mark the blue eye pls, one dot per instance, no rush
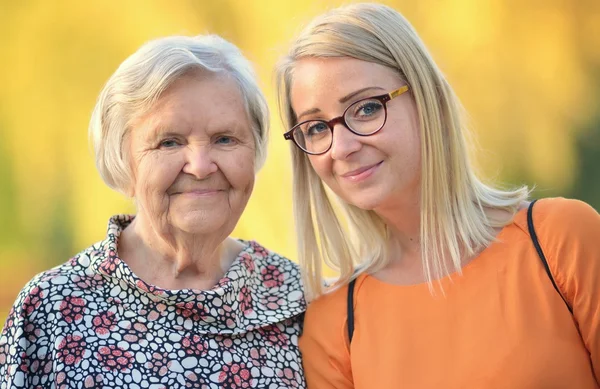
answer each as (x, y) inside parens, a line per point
(224, 140)
(366, 109)
(316, 128)
(168, 143)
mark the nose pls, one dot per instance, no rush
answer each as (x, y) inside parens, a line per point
(345, 142)
(199, 162)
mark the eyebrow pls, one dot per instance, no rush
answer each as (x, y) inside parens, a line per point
(159, 130)
(342, 100)
(162, 130)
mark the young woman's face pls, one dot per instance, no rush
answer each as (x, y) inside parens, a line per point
(371, 172)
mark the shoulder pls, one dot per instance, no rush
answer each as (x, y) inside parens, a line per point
(326, 326)
(273, 280)
(568, 232)
(38, 296)
(328, 310)
(559, 220)
(328, 314)
(271, 264)
(562, 209)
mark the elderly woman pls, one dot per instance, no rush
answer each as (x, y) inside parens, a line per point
(446, 282)
(168, 299)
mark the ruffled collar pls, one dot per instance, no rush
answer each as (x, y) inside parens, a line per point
(260, 289)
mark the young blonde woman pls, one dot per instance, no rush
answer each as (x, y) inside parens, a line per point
(445, 281)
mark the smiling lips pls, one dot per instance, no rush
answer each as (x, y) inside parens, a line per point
(361, 173)
(199, 192)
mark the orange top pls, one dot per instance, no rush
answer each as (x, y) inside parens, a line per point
(500, 325)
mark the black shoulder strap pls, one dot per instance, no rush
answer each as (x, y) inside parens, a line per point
(536, 243)
(351, 309)
(538, 248)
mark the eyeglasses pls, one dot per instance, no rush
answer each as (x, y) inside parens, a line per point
(364, 117)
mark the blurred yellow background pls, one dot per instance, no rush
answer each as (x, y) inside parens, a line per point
(528, 71)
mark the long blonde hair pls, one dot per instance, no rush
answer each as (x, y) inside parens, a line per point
(453, 198)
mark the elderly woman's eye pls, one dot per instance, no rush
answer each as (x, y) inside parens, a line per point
(168, 143)
(224, 140)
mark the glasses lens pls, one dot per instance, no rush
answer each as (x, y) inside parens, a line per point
(313, 136)
(366, 116)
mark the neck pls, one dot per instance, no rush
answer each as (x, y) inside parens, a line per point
(403, 219)
(175, 259)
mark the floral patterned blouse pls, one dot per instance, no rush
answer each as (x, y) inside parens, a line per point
(92, 323)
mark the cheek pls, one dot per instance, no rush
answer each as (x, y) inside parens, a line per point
(156, 173)
(322, 165)
(239, 171)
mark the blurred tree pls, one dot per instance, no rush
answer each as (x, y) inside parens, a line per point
(587, 182)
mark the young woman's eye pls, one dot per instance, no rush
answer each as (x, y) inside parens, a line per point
(368, 108)
(316, 128)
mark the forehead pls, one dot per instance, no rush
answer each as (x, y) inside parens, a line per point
(199, 100)
(315, 79)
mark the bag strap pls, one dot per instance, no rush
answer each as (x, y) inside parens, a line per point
(538, 248)
(351, 309)
(536, 244)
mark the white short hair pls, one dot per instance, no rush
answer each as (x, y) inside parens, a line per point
(140, 80)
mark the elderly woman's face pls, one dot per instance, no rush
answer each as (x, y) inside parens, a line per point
(193, 156)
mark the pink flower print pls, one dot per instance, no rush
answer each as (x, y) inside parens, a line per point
(223, 282)
(135, 332)
(149, 288)
(192, 309)
(114, 358)
(93, 382)
(108, 267)
(10, 321)
(49, 275)
(159, 364)
(31, 332)
(288, 377)
(89, 282)
(259, 250)
(259, 356)
(60, 378)
(225, 343)
(194, 345)
(104, 322)
(227, 314)
(24, 366)
(33, 300)
(109, 264)
(235, 375)
(71, 308)
(245, 300)
(71, 349)
(272, 302)
(193, 381)
(274, 336)
(272, 277)
(248, 262)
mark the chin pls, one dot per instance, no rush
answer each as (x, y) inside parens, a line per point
(193, 223)
(367, 203)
